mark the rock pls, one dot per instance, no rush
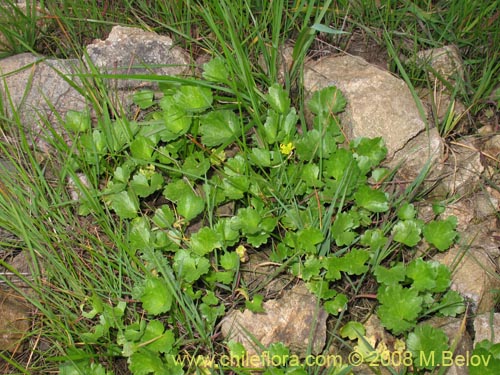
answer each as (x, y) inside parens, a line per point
(14, 323)
(460, 172)
(290, 320)
(492, 147)
(487, 327)
(426, 147)
(129, 50)
(472, 210)
(378, 104)
(473, 276)
(446, 61)
(442, 108)
(39, 91)
(448, 65)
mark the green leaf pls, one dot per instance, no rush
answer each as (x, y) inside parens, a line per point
(489, 355)
(342, 228)
(255, 305)
(336, 306)
(156, 338)
(146, 184)
(407, 232)
(190, 267)
(205, 241)
(248, 221)
(216, 70)
(219, 127)
(333, 266)
(125, 204)
(194, 98)
(308, 239)
(372, 200)
(176, 120)
(339, 163)
(451, 304)
(307, 146)
(278, 99)
(142, 148)
(321, 289)
(400, 307)
(407, 211)
(271, 126)
(195, 165)
(373, 238)
(236, 349)
(441, 233)
(429, 276)
(230, 261)
(327, 101)
(261, 157)
(328, 30)
(140, 233)
(143, 99)
(228, 234)
(390, 276)
(163, 217)
(311, 268)
(77, 121)
(427, 342)
(310, 175)
(155, 297)
(352, 330)
(190, 205)
(368, 152)
(145, 362)
(354, 262)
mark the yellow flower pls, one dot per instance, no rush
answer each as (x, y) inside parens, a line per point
(286, 149)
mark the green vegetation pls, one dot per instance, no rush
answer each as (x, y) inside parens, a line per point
(144, 265)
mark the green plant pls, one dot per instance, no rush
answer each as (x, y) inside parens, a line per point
(313, 202)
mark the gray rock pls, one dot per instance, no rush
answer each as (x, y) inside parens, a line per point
(378, 103)
(487, 327)
(129, 50)
(473, 276)
(293, 320)
(426, 147)
(40, 91)
(448, 65)
(460, 172)
(446, 61)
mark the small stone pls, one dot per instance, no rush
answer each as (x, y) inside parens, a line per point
(487, 327)
(293, 320)
(445, 60)
(460, 173)
(473, 276)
